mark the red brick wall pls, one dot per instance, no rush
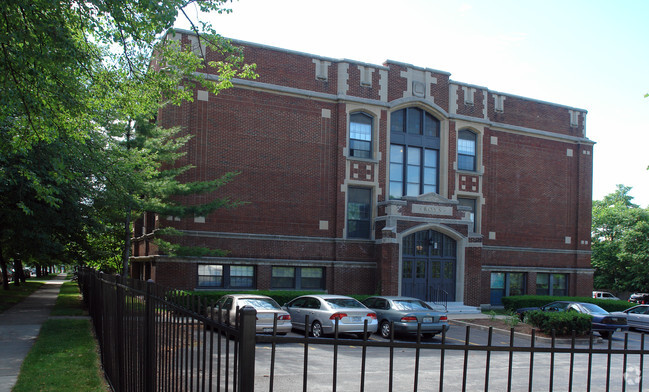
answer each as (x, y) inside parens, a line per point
(533, 192)
(351, 280)
(283, 149)
(178, 275)
(473, 286)
(534, 114)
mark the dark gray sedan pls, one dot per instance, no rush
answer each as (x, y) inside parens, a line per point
(406, 313)
(637, 317)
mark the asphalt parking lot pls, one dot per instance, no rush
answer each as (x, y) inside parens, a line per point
(347, 361)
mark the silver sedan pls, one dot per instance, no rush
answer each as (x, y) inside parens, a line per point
(324, 310)
(266, 308)
(406, 314)
(637, 317)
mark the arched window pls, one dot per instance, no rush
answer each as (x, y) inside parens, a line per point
(466, 150)
(414, 153)
(360, 135)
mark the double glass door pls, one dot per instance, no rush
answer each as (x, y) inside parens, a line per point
(429, 265)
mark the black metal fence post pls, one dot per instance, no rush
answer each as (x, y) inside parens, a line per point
(150, 362)
(247, 342)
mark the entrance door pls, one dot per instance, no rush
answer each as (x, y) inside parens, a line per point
(429, 261)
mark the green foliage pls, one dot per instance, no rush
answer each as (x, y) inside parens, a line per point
(563, 323)
(512, 320)
(526, 301)
(620, 243)
(177, 249)
(534, 301)
(80, 153)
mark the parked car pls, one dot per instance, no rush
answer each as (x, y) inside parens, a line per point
(639, 298)
(406, 314)
(266, 308)
(323, 311)
(637, 317)
(603, 322)
(604, 295)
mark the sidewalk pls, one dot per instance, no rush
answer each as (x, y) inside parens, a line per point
(20, 326)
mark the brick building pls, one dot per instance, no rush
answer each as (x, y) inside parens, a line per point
(392, 179)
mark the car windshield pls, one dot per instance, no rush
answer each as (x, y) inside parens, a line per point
(593, 309)
(556, 306)
(259, 303)
(410, 304)
(337, 303)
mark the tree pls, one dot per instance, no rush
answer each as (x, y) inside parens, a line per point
(80, 84)
(32, 229)
(620, 242)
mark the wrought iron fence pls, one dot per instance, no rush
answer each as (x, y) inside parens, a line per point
(158, 339)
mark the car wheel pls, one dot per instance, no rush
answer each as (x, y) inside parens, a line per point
(316, 329)
(605, 334)
(384, 329)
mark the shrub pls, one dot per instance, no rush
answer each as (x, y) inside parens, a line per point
(512, 320)
(563, 323)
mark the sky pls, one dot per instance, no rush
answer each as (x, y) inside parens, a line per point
(587, 54)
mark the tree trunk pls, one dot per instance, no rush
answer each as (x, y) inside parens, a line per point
(5, 272)
(127, 219)
(18, 272)
(127, 242)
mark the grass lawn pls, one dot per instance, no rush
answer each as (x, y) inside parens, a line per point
(65, 356)
(69, 301)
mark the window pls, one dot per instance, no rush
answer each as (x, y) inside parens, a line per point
(414, 121)
(311, 278)
(360, 135)
(466, 150)
(283, 278)
(471, 204)
(414, 153)
(226, 276)
(241, 276)
(210, 275)
(551, 284)
(358, 212)
(504, 284)
(406, 271)
(300, 278)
